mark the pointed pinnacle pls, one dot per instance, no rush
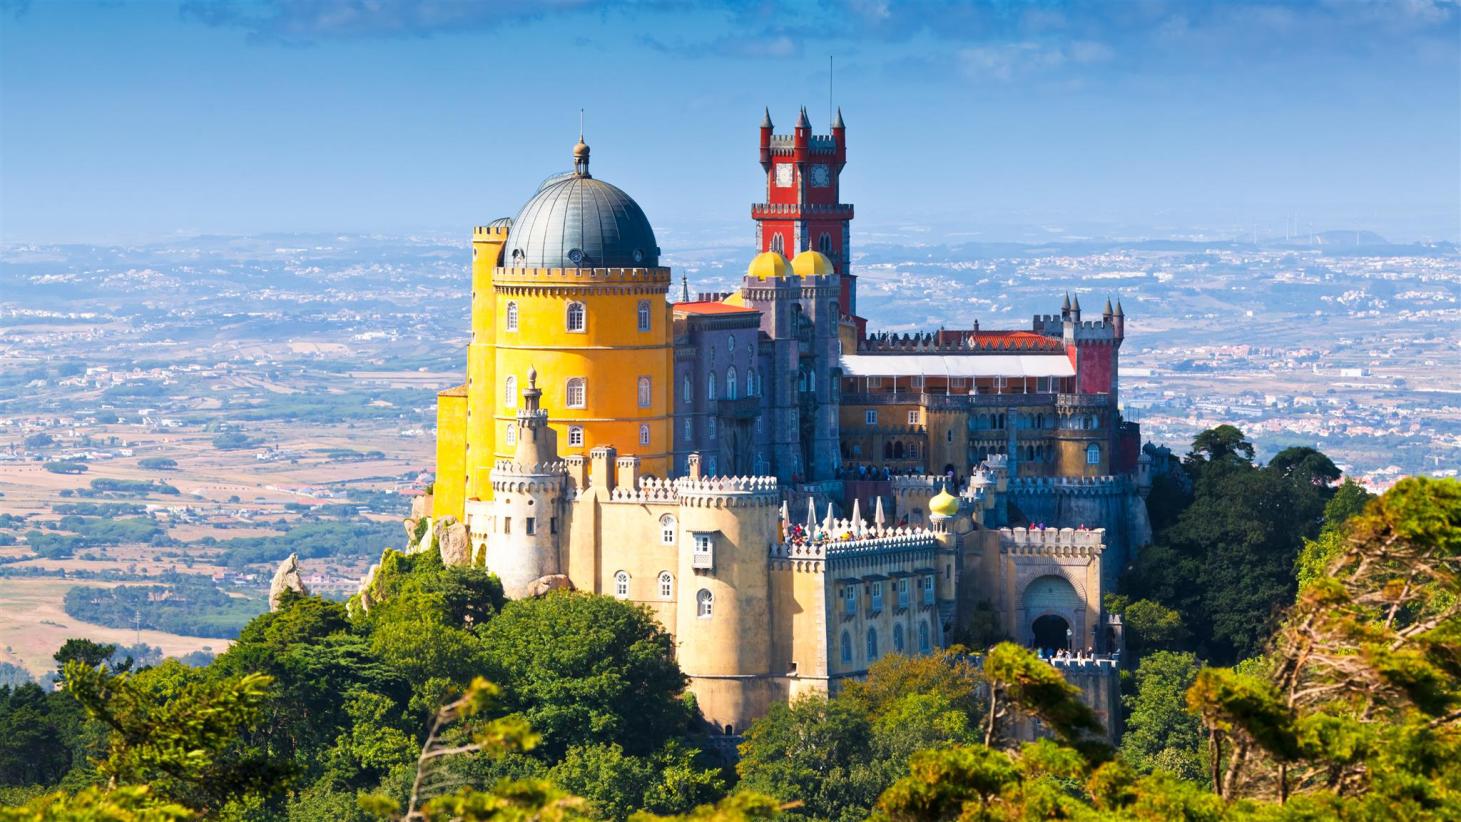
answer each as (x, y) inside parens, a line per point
(766, 118)
(802, 121)
(1065, 305)
(837, 123)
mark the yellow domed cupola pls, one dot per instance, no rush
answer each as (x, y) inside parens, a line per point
(768, 265)
(811, 263)
(943, 504)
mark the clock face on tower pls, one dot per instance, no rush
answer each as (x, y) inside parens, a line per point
(821, 176)
(783, 175)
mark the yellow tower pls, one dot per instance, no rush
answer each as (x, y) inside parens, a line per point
(580, 296)
(487, 243)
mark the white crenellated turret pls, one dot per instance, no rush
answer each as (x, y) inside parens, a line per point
(529, 494)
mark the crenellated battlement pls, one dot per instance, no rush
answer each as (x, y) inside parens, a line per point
(1052, 541)
(510, 275)
(1107, 484)
(508, 466)
(934, 342)
(651, 489)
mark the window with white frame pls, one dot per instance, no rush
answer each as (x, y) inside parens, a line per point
(687, 389)
(710, 383)
(877, 596)
(576, 394)
(512, 433)
(575, 436)
(913, 417)
(621, 585)
(732, 383)
(704, 553)
(509, 392)
(667, 532)
(643, 315)
(928, 590)
(849, 599)
(577, 318)
(512, 316)
(644, 435)
(646, 392)
(870, 417)
(750, 382)
(903, 595)
(1093, 454)
(666, 585)
(704, 604)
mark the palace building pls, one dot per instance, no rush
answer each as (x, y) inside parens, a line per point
(791, 494)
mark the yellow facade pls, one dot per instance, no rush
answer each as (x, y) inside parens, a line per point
(611, 355)
(450, 494)
(487, 242)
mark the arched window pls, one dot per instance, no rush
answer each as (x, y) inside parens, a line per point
(687, 389)
(778, 245)
(512, 433)
(1093, 454)
(644, 435)
(924, 643)
(667, 532)
(898, 638)
(512, 316)
(576, 316)
(824, 244)
(576, 394)
(710, 427)
(846, 648)
(704, 604)
(644, 315)
(710, 383)
(509, 392)
(575, 436)
(751, 382)
(898, 450)
(887, 450)
(732, 383)
(872, 644)
(621, 585)
(666, 585)
(646, 393)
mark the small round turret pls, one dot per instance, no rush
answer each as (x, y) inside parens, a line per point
(768, 265)
(811, 263)
(943, 504)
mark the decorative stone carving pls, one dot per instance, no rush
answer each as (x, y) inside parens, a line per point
(286, 577)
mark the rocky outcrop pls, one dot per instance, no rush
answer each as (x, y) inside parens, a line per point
(453, 542)
(549, 583)
(286, 578)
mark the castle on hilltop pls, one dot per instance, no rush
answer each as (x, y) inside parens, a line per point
(791, 495)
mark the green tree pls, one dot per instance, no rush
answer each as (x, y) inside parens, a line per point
(1160, 732)
(815, 751)
(584, 669)
(1358, 707)
(1223, 444)
(33, 749)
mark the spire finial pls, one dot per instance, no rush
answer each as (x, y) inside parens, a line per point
(684, 288)
(766, 118)
(580, 150)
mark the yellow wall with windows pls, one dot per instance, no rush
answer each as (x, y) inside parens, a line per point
(450, 494)
(610, 355)
(487, 243)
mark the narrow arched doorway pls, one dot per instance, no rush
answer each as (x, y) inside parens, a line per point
(1052, 633)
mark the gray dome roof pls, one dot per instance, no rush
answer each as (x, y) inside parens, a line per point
(576, 221)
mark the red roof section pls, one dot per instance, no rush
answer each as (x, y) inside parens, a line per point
(1008, 340)
(712, 307)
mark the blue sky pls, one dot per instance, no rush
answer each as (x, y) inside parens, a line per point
(141, 120)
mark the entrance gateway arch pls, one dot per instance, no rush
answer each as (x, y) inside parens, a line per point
(1053, 614)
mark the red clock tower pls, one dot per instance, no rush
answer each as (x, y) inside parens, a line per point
(804, 207)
